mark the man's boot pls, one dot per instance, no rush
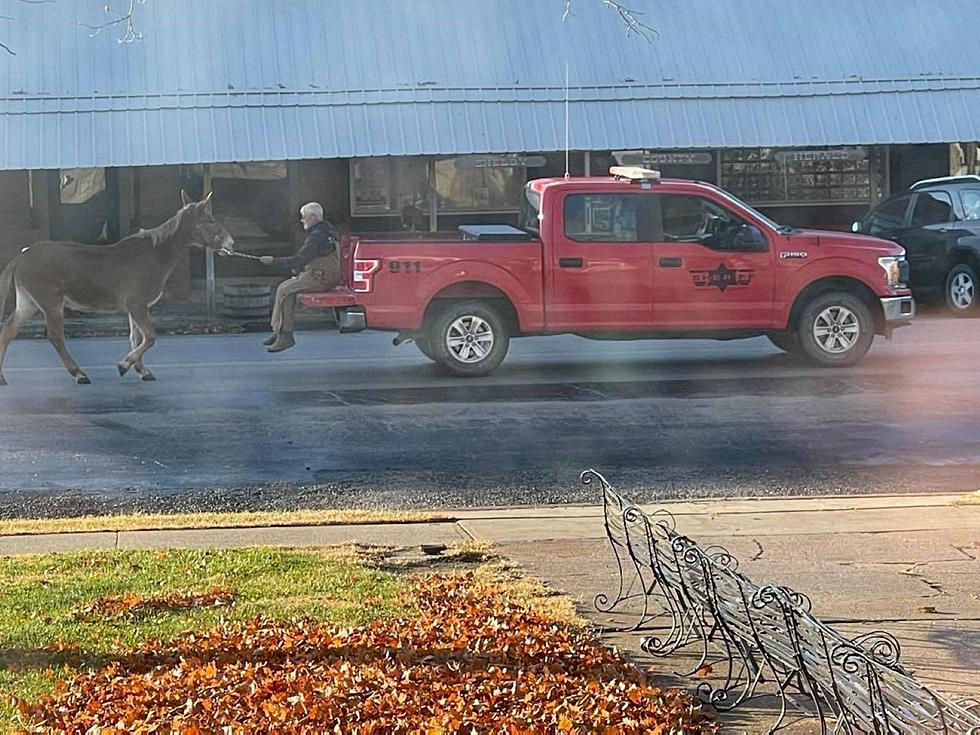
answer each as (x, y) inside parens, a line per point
(283, 341)
(271, 339)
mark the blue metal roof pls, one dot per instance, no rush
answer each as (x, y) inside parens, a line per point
(240, 80)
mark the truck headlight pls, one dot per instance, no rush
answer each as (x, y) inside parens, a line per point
(895, 267)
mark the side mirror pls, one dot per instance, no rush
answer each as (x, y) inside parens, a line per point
(750, 237)
(856, 226)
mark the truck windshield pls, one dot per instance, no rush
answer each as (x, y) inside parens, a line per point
(530, 208)
(735, 200)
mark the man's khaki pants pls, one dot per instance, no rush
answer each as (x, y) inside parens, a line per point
(321, 274)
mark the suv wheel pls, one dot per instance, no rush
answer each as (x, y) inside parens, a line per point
(961, 289)
(836, 329)
(468, 339)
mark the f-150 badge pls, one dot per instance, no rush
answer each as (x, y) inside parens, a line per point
(722, 277)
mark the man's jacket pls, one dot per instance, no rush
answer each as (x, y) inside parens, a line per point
(321, 239)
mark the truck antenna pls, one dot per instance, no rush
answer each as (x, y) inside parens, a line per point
(567, 175)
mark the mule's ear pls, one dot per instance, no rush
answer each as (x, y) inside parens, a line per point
(207, 201)
(184, 199)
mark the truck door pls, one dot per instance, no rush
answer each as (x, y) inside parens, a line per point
(599, 273)
(711, 268)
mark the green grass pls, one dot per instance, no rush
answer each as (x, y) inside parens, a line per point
(39, 595)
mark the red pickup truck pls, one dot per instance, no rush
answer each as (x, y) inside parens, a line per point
(629, 256)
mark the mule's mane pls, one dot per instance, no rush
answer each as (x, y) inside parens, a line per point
(162, 232)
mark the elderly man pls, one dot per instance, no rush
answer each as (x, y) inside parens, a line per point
(316, 267)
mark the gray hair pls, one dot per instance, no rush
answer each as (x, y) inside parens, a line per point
(313, 208)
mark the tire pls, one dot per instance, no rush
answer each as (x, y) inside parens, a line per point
(422, 342)
(786, 341)
(962, 289)
(468, 339)
(836, 329)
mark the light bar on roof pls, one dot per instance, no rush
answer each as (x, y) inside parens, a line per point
(634, 173)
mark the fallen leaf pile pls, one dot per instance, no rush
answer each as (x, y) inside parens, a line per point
(134, 606)
(469, 662)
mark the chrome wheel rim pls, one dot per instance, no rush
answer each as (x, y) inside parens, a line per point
(836, 329)
(962, 291)
(469, 339)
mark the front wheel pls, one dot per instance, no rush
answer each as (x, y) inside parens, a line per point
(836, 329)
(961, 289)
(468, 339)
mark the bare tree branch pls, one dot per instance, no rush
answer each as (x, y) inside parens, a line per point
(4, 46)
(126, 19)
(631, 18)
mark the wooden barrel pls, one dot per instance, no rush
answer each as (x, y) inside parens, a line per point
(246, 301)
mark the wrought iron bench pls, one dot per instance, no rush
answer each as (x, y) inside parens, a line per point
(762, 634)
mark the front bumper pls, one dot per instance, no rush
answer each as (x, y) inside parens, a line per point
(898, 309)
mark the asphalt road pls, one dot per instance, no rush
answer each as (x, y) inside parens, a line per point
(350, 421)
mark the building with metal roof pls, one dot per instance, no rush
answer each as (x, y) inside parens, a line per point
(810, 111)
(245, 80)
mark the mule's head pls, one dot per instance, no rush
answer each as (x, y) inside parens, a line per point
(204, 230)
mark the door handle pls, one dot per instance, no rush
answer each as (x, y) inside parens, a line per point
(570, 262)
(671, 262)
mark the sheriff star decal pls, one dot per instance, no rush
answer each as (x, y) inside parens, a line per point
(722, 278)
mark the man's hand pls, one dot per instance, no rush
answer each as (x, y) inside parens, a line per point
(267, 260)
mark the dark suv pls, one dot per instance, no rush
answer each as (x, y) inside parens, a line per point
(937, 221)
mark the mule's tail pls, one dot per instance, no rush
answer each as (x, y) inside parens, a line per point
(6, 286)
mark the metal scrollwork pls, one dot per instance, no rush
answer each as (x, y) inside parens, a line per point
(762, 634)
(883, 647)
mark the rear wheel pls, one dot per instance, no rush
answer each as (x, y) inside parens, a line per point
(836, 329)
(468, 338)
(422, 342)
(961, 289)
(786, 341)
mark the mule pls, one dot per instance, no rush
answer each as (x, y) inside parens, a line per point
(128, 277)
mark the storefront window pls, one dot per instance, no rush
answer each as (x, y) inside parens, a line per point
(252, 200)
(803, 176)
(964, 158)
(389, 185)
(489, 183)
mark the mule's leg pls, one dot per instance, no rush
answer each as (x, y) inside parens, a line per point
(140, 314)
(55, 322)
(135, 340)
(24, 310)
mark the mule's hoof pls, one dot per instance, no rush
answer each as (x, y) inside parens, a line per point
(149, 376)
(123, 369)
(82, 380)
(3, 380)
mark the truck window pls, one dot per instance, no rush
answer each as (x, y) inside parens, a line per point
(530, 208)
(695, 219)
(932, 208)
(889, 215)
(606, 217)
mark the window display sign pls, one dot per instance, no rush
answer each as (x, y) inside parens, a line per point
(498, 161)
(698, 158)
(836, 154)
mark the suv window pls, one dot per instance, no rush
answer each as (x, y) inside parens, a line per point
(606, 217)
(970, 199)
(932, 208)
(889, 215)
(688, 218)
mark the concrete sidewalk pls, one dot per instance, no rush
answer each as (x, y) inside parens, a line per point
(907, 564)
